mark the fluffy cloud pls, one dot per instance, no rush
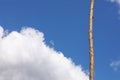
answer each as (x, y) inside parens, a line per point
(25, 56)
(115, 65)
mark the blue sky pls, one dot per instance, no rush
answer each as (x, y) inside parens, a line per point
(65, 22)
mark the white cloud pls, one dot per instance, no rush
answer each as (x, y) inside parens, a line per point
(25, 56)
(115, 65)
(1, 31)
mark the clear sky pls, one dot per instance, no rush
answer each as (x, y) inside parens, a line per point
(65, 26)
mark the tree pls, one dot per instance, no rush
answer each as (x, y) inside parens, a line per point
(91, 49)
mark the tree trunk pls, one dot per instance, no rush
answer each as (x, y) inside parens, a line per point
(91, 50)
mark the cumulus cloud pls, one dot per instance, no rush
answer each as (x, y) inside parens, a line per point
(115, 65)
(24, 55)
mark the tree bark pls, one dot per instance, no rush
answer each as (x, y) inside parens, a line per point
(91, 49)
